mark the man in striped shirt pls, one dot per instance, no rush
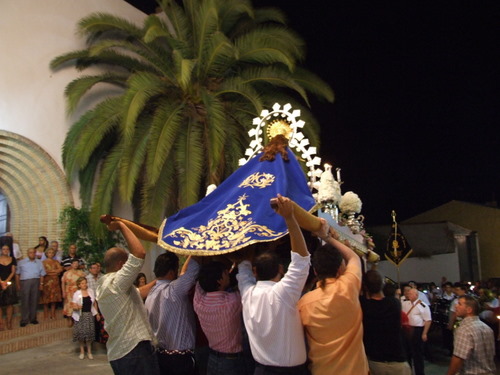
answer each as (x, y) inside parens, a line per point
(270, 304)
(171, 314)
(219, 313)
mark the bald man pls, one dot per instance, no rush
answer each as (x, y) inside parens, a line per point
(419, 316)
(130, 349)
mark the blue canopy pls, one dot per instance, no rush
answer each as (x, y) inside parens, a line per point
(238, 213)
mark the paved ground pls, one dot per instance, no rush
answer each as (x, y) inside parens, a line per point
(56, 358)
(62, 358)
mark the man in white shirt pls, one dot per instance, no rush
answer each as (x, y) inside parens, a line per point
(419, 316)
(270, 303)
(130, 349)
(421, 295)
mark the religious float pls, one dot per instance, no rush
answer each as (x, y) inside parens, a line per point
(237, 213)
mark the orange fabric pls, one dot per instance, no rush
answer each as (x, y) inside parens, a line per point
(333, 319)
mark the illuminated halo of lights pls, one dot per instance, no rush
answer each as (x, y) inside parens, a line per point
(283, 121)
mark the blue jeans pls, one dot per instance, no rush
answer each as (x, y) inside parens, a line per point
(225, 364)
(141, 360)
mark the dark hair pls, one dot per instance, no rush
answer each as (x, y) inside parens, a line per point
(373, 281)
(136, 282)
(448, 283)
(461, 286)
(166, 262)
(472, 303)
(389, 290)
(326, 261)
(266, 265)
(210, 274)
(46, 243)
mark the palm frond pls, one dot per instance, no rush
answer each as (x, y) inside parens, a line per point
(189, 161)
(106, 185)
(142, 87)
(270, 45)
(133, 159)
(216, 133)
(237, 87)
(183, 70)
(167, 122)
(178, 20)
(70, 57)
(231, 11)
(96, 24)
(219, 56)
(159, 198)
(88, 132)
(206, 24)
(270, 14)
(155, 28)
(87, 176)
(77, 88)
(271, 76)
(312, 83)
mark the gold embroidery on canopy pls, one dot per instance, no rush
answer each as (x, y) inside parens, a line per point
(259, 180)
(231, 228)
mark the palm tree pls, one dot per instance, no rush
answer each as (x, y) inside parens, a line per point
(190, 82)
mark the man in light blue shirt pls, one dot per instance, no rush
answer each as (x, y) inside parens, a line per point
(29, 277)
(171, 314)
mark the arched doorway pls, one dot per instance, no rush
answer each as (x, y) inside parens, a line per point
(35, 189)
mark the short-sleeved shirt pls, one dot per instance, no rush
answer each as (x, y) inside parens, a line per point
(30, 269)
(475, 344)
(333, 318)
(120, 303)
(220, 318)
(417, 315)
(383, 338)
(67, 260)
(270, 314)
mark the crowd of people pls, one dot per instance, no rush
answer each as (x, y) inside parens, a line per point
(259, 318)
(246, 313)
(47, 277)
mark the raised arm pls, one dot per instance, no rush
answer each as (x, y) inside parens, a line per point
(285, 209)
(134, 244)
(328, 235)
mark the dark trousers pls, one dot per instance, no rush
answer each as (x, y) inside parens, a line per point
(177, 364)
(225, 363)
(416, 354)
(447, 339)
(29, 299)
(140, 361)
(272, 370)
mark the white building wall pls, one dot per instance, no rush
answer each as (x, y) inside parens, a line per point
(424, 269)
(32, 33)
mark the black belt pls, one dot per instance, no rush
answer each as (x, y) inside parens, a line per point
(174, 352)
(224, 355)
(282, 370)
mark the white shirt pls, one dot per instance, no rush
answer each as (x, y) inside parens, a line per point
(420, 314)
(271, 316)
(16, 250)
(78, 299)
(126, 319)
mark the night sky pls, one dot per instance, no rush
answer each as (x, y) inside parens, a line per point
(415, 122)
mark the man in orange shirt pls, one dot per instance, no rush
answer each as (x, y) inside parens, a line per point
(331, 314)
